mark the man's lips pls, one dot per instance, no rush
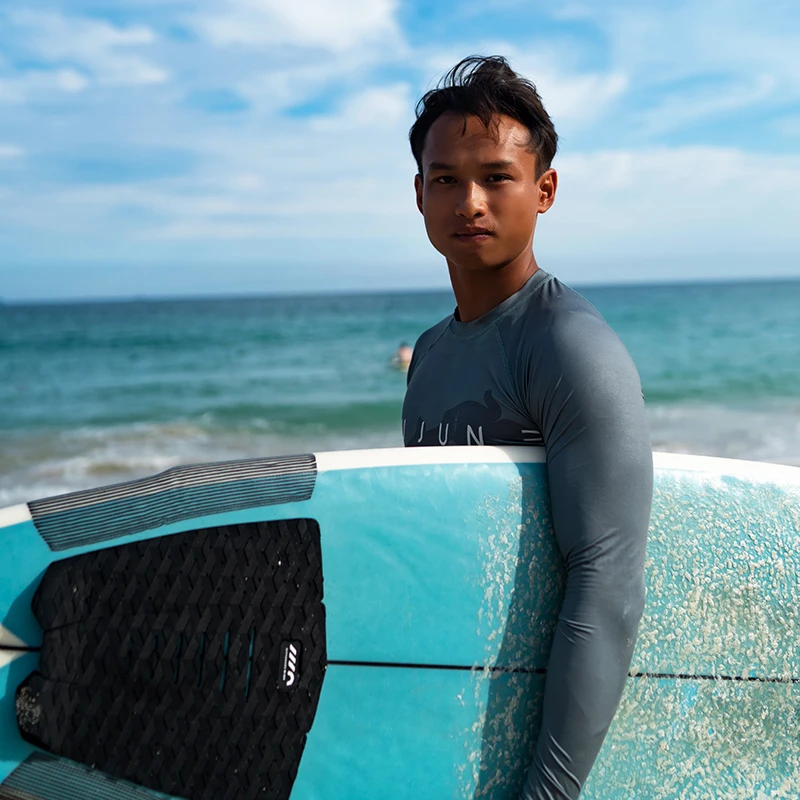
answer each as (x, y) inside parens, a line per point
(473, 234)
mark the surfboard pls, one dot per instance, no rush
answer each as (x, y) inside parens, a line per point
(376, 624)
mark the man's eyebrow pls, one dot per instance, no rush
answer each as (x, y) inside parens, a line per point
(489, 165)
(497, 165)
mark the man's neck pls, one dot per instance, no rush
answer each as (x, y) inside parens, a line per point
(479, 291)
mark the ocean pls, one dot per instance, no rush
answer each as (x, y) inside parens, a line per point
(99, 392)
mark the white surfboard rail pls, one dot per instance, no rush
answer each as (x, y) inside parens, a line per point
(415, 456)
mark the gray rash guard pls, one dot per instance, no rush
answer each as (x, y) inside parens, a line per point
(543, 368)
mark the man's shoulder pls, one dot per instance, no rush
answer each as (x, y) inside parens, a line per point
(579, 344)
(561, 337)
(555, 316)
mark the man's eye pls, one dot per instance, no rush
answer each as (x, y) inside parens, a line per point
(498, 178)
(444, 179)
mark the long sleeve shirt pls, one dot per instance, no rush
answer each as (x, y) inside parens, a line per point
(544, 369)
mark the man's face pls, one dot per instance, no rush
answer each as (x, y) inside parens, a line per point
(479, 193)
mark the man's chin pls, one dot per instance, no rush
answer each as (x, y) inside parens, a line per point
(475, 263)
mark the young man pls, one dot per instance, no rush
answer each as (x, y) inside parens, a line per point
(526, 360)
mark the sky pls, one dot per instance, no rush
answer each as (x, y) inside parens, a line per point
(190, 147)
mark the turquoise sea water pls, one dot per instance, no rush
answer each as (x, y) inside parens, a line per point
(94, 393)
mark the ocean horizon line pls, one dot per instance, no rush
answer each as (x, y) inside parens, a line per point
(657, 283)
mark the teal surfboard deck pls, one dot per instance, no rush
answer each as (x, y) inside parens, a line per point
(442, 583)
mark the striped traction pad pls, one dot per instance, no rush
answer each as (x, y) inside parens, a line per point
(122, 509)
(46, 777)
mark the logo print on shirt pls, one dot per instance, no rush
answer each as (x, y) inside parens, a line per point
(482, 422)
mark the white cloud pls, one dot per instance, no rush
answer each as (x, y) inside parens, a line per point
(303, 181)
(788, 125)
(375, 108)
(751, 49)
(69, 80)
(335, 26)
(247, 182)
(10, 151)
(96, 46)
(677, 110)
(668, 201)
(576, 98)
(205, 230)
(283, 86)
(23, 87)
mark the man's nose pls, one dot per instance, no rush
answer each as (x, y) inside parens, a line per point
(472, 202)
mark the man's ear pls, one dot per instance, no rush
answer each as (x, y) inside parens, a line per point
(548, 184)
(418, 190)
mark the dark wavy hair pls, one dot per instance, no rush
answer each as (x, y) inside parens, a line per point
(483, 87)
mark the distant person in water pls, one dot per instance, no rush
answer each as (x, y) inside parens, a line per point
(402, 357)
(525, 360)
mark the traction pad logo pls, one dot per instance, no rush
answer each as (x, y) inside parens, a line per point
(290, 665)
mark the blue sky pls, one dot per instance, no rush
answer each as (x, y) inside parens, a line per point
(176, 147)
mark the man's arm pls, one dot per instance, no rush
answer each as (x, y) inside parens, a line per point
(600, 471)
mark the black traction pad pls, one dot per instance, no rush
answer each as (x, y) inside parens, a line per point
(164, 662)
